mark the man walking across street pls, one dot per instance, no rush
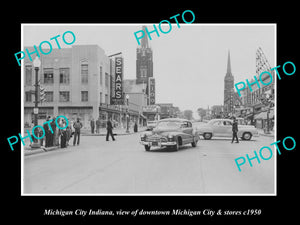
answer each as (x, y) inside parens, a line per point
(77, 126)
(234, 130)
(109, 128)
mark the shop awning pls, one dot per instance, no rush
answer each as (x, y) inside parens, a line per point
(263, 115)
(144, 117)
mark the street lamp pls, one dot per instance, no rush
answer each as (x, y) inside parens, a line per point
(127, 114)
(36, 64)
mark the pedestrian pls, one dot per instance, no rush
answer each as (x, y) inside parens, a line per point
(54, 134)
(63, 135)
(69, 132)
(109, 128)
(98, 123)
(92, 125)
(77, 126)
(40, 135)
(135, 128)
(234, 130)
(47, 133)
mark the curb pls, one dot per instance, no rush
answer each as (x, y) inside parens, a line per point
(32, 151)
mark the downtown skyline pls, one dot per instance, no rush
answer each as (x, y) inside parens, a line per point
(189, 64)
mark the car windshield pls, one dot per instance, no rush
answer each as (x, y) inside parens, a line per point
(169, 124)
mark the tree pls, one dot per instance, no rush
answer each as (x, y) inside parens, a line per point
(188, 114)
(201, 113)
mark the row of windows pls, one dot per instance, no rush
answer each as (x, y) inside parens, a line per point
(64, 75)
(64, 96)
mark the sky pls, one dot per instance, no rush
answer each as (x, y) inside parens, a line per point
(189, 63)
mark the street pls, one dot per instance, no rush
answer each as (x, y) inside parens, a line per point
(124, 167)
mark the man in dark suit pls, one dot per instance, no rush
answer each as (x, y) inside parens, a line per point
(109, 128)
(234, 130)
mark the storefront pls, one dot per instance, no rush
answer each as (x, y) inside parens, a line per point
(262, 118)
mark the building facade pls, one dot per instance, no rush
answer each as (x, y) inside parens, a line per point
(76, 80)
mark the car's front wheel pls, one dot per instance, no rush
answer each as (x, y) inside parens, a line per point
(176, 147)
(207, 136)
(247, 136)
(147, 147)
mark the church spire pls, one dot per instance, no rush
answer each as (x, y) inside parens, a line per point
(145, 38)
(228, 65)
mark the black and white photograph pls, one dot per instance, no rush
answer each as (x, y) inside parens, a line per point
(148, 109)
(145, 113)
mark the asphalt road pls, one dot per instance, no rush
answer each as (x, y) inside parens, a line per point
(124, 167)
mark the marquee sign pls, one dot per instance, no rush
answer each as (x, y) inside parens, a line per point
(118, 98)
(151, 89)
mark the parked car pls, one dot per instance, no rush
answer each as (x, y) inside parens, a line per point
(151, 125)
(172, 133)
(223, 128)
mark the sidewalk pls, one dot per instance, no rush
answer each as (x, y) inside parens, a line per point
(262, 132)
(84, 132)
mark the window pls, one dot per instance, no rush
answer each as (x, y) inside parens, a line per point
(48, 76)
(84, 96)
(106, 79)
(101, 76)
(143, 72)
(100, 97)
(218, 123)
(84, 73)
(227, 123)
(28, 75)
(49, 96)
(64, 75)
(28, 96)
(106, 99)
(64, 96)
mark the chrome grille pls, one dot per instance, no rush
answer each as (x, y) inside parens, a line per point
(156, 139)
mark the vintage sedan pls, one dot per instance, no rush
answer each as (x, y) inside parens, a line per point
(171, 132)
(223, 128)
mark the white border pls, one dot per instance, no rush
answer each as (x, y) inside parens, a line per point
(139, 24)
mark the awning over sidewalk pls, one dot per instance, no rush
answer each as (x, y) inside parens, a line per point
(263, 115)
(144, 117)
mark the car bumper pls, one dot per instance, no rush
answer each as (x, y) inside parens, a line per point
(159, 144)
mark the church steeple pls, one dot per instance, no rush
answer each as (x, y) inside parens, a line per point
(228, 87)
(145, 38)
(228, 65)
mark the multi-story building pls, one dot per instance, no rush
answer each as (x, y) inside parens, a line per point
(77, 81)
(253, 107)
(137, 100)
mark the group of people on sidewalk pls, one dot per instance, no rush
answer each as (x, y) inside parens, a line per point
(55, 136)
(97, 123)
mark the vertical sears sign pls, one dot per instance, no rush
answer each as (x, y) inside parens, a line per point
(118, 98)
(151, 91)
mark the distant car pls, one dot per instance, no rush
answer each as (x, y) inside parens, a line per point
(172, 133)
(151, 125)
(223, 128)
